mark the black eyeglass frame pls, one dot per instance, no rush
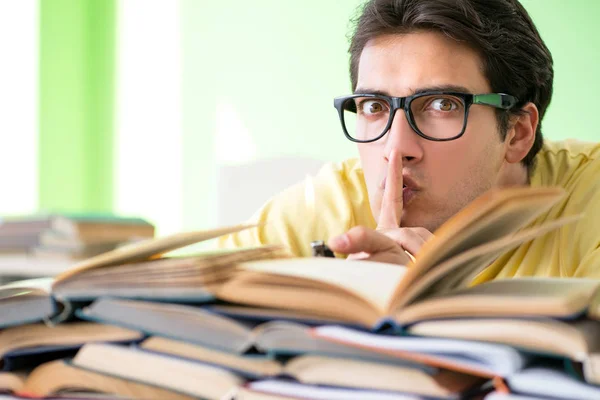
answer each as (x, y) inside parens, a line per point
(497, 100)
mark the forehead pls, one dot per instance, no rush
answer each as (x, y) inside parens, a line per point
(403, 63)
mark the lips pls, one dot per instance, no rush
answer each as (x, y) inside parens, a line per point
(407, 195)
(409, 188)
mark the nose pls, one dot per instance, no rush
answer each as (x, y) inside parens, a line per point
(403, 138)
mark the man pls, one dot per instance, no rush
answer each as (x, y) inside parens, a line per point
(448, 101)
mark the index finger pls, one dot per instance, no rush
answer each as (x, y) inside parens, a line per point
(392, 201)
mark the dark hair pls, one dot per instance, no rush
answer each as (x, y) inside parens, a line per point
(515, 59)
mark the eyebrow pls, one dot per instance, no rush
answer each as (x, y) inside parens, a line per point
(371, 91)
(438, 88)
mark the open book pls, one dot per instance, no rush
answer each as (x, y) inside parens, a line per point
(170, 373)
(22, 347)
(368, 293)
(59, 379)
(140, 270)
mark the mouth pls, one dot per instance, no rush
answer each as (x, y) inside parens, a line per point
(408, 194)
(409, 189)
(409, 185)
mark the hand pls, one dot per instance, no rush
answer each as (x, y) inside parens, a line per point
(389, 243)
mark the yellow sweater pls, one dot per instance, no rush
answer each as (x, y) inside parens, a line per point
(336, 200)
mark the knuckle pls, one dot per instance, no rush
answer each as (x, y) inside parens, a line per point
(359, 233)
(398, 234)
(423, 232)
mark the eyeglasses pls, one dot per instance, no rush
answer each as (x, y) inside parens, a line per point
(436, 115)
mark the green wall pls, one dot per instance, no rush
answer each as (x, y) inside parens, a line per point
(571, 32)
(76, 105)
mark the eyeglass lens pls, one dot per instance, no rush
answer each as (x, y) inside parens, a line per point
(436, 116)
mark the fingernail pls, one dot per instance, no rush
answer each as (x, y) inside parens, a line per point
(339, 242)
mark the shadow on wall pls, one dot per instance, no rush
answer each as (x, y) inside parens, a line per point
(244, 188)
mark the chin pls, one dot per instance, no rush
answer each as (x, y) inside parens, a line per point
(416, 221)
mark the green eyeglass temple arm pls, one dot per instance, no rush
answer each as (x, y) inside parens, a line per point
(498, 100)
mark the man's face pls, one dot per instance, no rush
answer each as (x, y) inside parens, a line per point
(441, 177)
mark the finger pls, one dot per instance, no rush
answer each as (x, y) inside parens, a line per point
(409, 239)
(358, 256)
(424, 233)
(361, 239)
(400, 258)
(392, 202)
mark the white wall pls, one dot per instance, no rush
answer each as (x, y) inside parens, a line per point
(148, 165)
(18, 106)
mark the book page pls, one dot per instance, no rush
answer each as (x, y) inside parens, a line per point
(12, 382)
(573, 340)
(493, 215)
(294, 390)
(372, 281)
(549, 383)
(184, 376)
(472, 357)
(458, 271)
(250, 365)
(177, 321)
(357, 373)
(552, 297)
(148, 249)
(591, 368)
(59, 376)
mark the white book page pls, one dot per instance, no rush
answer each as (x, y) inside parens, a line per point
(44, 284)
(552, 383)
(509, 396)
(489, 357)
(298, 390)
(370, 280)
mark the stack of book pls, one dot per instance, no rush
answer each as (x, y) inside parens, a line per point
(256, 323)
(61, 239)
(72, 236)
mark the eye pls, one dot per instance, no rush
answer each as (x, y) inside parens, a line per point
(372, 107)
(443, 104)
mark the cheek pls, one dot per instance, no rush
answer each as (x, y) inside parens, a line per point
(370, 158)
(373, 166)
(472, 161)
(470, 158)
(445, 164)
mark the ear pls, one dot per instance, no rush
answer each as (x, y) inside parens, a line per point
(521, 134)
